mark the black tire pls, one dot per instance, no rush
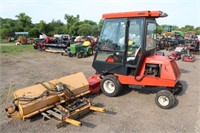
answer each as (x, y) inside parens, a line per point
(79, 55)
(111, 81)
(167, 96)
(90, 52)
(70, 54)
(178, 88)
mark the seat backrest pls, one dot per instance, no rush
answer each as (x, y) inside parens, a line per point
(132, 58)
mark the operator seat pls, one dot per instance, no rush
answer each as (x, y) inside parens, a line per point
(86, 43)
(131, 59)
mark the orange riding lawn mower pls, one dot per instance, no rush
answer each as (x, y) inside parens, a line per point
(124, 57)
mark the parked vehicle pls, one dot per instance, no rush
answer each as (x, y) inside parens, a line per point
(118, 66)
(79, 50)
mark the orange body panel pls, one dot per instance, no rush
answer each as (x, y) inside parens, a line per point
(132, 14)
(169, 73)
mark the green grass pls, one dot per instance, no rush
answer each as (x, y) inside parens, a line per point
(14, 50)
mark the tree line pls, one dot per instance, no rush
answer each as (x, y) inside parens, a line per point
(73, 26)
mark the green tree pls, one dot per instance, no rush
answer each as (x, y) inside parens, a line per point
(197, 30)
(100, 24)
(159, 29)
(85, 29)
(174, 27)
(34, 32)
(56, 27)
(71, 20)
(45, 28)
(23, 19)
(7, 28)
(187, 28)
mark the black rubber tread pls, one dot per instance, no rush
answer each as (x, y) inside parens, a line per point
(169, 95)
(179, 88)
(118, 86)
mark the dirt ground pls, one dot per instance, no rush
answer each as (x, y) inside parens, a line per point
(133, 111)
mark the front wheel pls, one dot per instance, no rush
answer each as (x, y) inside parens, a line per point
(70, 54)
(164, 99)
(110, 86)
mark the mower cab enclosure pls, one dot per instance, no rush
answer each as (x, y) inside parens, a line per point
(125, 56)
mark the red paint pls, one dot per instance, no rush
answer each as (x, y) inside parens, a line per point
(169, 73)
(133, 14)
(94, 83)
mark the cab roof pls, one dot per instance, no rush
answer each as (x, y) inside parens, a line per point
(135, 14)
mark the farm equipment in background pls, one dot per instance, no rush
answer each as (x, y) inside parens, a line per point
(185, 50)
(170, 39)
(38, 44)
(176, 55)
(188, 57)
(167, 33)
(61, 98)
(80, 49)
(178, 52)
(117, 68)
(171, 44)
(58, 44)
(160, 42)
(193, 46)
(22, 40)
(188, 35)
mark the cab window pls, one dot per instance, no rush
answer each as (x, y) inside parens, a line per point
(151, 36)
(134, 39)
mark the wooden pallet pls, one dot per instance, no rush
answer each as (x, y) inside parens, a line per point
(54, 51)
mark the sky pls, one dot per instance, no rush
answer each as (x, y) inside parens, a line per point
(180, 12)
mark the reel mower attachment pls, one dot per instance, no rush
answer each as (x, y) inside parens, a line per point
(61, 98)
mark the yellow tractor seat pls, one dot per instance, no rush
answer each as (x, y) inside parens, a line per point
(87, 43)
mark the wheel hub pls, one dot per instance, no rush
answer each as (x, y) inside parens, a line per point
(109, 86)
(163, 100)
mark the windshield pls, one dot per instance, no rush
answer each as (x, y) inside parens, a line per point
(113, 34)
(113, 30)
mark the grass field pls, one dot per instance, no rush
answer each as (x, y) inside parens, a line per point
(13, 49)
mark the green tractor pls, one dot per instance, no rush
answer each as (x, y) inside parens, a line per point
(80, 50)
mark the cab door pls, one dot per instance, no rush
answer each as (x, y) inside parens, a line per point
(144, 44)
(110, 50)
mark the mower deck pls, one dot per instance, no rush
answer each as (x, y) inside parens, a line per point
(60, 98)
(188, 58)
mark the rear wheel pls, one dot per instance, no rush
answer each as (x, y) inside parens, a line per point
(164, 99)
(90, 52)
(178, 88)
(110, 86)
